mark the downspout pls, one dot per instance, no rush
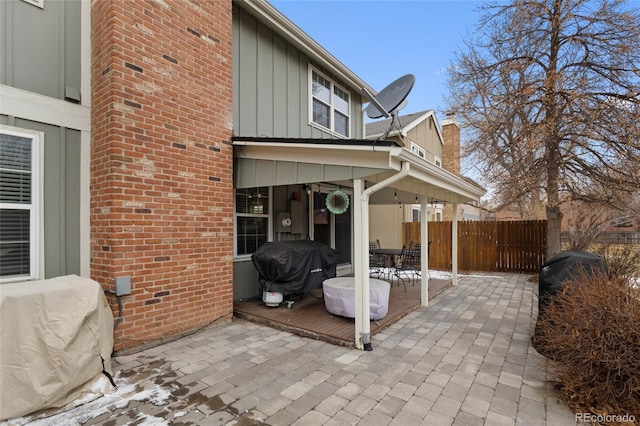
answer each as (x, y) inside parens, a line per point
(361, 275)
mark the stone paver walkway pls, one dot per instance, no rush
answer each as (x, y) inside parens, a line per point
(466, 359)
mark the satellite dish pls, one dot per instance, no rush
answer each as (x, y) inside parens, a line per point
(391, 97)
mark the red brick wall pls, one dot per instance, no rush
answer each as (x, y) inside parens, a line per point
(451, 158)
(161, 163)
(451, 148)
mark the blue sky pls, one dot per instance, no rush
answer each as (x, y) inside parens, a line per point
(383, 40)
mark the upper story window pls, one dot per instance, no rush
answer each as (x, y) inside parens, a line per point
(437, 161)
(19, 204)
(330, 104)
(418, 150)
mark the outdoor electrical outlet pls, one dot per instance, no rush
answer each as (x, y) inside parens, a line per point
(123, 286)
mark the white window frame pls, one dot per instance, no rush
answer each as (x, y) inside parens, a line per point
(437, 161)
(331, 105)
(236, 215)
(418, 150)
(415, 208)
(36, 256)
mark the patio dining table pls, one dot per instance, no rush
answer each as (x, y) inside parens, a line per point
(389, 254)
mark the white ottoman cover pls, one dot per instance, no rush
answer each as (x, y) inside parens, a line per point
(340, 298)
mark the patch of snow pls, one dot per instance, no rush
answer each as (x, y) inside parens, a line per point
(118, 398)
(445, 275)
(146, 420)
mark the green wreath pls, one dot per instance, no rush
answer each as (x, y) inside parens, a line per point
(337, 201)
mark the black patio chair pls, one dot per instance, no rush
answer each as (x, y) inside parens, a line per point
(408, 262)
(376, 261)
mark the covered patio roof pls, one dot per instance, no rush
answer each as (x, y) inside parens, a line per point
(380, 172)
(282, 161)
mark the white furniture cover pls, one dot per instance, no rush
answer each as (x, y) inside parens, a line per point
(53, 334)
(340, 299)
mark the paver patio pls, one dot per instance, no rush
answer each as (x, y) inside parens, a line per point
(466, 359)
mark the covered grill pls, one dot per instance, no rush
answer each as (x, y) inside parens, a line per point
(554, 275)
(563, 267)
(294, 267)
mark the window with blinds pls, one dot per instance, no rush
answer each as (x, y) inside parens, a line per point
(252, 219)
(18, 154)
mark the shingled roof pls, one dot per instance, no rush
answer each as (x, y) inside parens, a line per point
(379, 127)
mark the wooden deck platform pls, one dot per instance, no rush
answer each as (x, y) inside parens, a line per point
(308, 316)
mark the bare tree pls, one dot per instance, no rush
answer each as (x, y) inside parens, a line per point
(550, 96)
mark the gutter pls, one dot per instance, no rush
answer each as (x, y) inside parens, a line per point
(457, 182)
(404, 171)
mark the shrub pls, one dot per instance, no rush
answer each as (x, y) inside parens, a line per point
(622, 259)
(591, 333)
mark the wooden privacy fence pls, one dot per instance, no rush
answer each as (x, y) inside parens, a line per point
(498, 246)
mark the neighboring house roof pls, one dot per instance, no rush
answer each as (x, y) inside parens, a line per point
(473, 182)
(407, 122)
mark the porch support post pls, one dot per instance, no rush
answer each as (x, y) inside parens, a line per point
(454, 245)
(361, 252)
(424, 251)
(361, 265)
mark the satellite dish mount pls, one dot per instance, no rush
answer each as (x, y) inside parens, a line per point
(389, 101)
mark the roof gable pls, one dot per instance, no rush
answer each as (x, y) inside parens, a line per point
(407, 122)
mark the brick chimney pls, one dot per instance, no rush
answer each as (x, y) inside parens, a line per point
(451, 149)
(162, 164)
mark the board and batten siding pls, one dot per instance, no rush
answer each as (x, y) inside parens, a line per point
(271, 85)
(426, 135)
(41, 48)
(41, 57)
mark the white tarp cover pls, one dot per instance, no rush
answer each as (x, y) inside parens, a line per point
(53, 336)
(340, 298)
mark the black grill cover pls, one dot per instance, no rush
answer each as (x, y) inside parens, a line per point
(564, 267)
(293, 267)
(554, 274)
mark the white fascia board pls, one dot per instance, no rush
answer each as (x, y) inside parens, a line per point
(44, 109)
(275, 20)
(340, 155)
(439, 129)
(429, 172)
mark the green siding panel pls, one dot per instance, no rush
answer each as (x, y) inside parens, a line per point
(286, 172)
(41, 46)
(72, 201)
(245, 281)
(265, 82)
(271, 85)
(280, 86)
